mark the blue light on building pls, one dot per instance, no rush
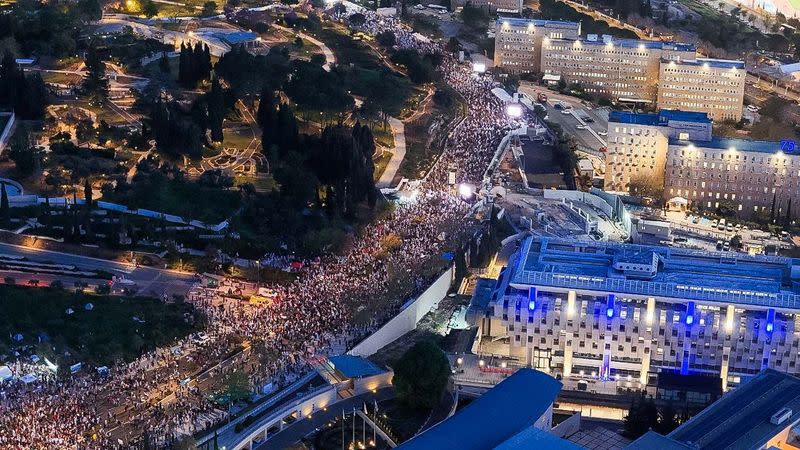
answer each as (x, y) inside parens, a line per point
(770, 320)
(610, 306)
(690, 313)
(532, 298)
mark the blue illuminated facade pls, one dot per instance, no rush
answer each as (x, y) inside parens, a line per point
(624, 313)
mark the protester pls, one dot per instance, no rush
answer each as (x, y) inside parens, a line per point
(312, 316)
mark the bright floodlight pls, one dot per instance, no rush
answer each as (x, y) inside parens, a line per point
(465, 190)
(479, 67)
(514, 110)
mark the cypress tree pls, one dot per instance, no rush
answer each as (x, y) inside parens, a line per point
(772, 210)
(216, 110)
(788, 219)
(4, 207)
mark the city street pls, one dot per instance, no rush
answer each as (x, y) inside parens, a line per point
(588, 139)
(147, 280)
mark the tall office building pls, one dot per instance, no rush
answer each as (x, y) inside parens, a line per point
(715, 86)
(735, 174)
(621, 313)
(623, 69)
(638, 143)
(518, 42)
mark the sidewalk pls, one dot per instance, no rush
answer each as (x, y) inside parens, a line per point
(399, 153)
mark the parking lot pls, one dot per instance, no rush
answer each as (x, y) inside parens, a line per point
(587, 124)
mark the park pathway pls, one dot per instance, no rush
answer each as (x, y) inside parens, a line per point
(330, 59)
(399, 152)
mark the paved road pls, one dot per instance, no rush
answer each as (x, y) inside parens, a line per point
(149, 280)
(398, 153)
(586, 140)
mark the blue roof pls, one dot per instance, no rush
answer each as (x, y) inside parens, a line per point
(495, 417)
(354, 366)
(681, 274)
(744, 145)
(517, 22)
(660, 119)
(237, 37)
(535, 438)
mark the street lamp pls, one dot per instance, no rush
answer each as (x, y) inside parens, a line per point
(514, 110)
(465, 191)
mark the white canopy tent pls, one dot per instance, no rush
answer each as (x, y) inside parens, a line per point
(5, 374)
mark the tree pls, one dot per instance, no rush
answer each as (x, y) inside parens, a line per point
(25, 156)
(163, 63)
(85, 131)
(216, 110)
(149, 9)
(642, 417)
(95, 85)
(421, 375)
(357, 19)
(453, 45)
(267, 118)
(90, 10)
(736, 241)
(772, 210)
(386, 39)
(474, 17)
(209, 9)
(4, 208)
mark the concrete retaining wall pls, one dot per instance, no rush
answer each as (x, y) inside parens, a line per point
(407, 319)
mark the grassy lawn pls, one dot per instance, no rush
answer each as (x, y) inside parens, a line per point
(381, 161)
(383, 136)
(239, 137)
(262, 183)
(61, 78)
(424, 146)
(99, 336)
(704, 10)
(182, 198)
(349, 51)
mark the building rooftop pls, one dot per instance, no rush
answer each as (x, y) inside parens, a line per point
(744, 145)
(716, 63)
(662, 118)
(631, 43)
(741, 418)
(236, 37)
(534, 438)
(654, 441)
(518, 22)
(495, 417)
(354, 366)
(683, 274)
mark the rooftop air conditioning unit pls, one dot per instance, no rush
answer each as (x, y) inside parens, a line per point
(781, 416)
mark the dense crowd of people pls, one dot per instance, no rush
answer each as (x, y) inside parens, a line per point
(333, 302)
